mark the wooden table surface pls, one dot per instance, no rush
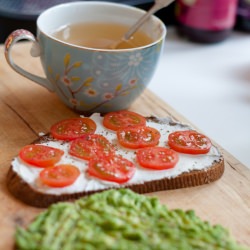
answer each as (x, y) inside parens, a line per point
(27, 109)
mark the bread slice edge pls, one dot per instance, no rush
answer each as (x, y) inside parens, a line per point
(26, 193)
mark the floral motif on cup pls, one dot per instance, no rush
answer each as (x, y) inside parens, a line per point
(73, 88)
(135, 59)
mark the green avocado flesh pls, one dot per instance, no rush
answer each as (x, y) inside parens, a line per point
(121, 220)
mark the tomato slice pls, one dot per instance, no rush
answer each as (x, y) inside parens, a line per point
(122, 119)
(189, 142)
(91, 146)
(60, 175)
(40, 155)
(138, 137)
(73, 128)
(114, 169)
(157, 158)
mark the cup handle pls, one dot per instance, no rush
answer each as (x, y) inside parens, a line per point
(12, 39)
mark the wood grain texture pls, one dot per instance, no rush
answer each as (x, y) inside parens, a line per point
(27, 109)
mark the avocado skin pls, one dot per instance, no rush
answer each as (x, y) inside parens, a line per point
(121, 220)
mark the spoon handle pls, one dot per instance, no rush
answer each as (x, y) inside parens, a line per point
(159, 4)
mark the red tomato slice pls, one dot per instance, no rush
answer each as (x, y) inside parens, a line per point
(73, 128)
(138, 137)
(40, 155)
(60, 175)
(157, 158)
(189, 142)
(91, 146)
(122, 119)
(115, 169)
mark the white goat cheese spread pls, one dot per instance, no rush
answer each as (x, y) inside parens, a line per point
(87, 183)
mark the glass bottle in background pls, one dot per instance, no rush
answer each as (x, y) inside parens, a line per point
(243, 15)
(205, 21)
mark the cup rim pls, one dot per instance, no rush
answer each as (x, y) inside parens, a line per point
(158, 20)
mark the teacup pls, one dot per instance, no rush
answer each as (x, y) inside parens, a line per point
(91, 79)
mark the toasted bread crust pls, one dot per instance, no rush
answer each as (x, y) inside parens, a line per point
(29, 195)
(24, 192)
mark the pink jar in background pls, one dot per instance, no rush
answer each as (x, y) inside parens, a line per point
(205, 21)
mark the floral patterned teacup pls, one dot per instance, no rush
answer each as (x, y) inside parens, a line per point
(86, 79)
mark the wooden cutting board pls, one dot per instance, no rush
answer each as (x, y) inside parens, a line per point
(27, 109)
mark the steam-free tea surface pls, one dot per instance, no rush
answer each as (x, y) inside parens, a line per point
(100, 35)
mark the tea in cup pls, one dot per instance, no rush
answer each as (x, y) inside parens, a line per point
(74, 42)
(101, 36)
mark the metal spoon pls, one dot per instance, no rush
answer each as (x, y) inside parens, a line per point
(158, 4)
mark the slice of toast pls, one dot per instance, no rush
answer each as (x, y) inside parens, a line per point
(190, 171)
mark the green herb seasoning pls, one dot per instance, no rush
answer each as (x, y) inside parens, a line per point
(121, 220)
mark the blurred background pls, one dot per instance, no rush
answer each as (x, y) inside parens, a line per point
(204, 73)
